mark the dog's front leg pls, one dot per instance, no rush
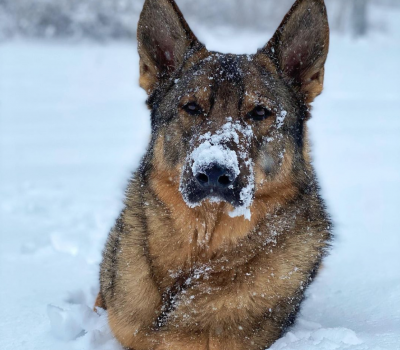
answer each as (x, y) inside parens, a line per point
(204, 341)
(128, 290)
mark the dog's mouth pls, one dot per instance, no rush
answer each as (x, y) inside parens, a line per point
(219, 169)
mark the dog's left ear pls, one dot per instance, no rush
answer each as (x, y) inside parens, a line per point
(164, 39)
(300, 47)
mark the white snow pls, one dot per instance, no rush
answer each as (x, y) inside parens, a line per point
(73, 124)
(208, 152)
(280, 119)
(313, 337)
(214, 148)
(246, 196)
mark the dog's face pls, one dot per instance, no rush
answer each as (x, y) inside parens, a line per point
(231, 127)
(226, 123)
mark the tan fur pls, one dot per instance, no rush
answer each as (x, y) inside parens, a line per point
(99, 303)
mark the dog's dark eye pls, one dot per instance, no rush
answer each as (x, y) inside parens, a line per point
(259, 113)
(193, 108)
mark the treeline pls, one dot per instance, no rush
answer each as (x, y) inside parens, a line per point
(116, 19)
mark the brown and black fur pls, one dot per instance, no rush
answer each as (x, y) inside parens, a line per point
(178, 277)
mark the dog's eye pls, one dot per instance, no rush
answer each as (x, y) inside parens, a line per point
(259, 113)
(192, 108)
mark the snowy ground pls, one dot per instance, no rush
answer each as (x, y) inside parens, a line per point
(73, 124)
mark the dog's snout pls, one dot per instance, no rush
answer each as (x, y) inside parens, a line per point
(216, 176)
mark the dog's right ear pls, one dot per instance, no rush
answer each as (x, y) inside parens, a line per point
(164, 39)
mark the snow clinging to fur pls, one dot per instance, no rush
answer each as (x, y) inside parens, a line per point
(214, 148)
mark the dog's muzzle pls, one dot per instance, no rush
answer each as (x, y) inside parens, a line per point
(215, 182)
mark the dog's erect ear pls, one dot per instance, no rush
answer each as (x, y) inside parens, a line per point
(300, 47)
(164, 39)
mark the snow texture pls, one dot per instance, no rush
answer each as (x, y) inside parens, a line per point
(214, 149)
(280, 119)
(73, 125)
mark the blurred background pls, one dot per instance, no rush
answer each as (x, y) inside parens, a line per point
(74, 125)
(116, 19)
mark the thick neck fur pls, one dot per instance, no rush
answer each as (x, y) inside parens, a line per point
(187, 238)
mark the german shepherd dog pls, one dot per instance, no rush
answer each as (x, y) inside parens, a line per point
(223, 227)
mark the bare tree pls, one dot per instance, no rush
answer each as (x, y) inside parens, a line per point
(359, 20)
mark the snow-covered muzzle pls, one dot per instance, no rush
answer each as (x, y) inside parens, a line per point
(219, 168)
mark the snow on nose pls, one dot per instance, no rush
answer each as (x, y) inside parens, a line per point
(208, 154)
(214, 151)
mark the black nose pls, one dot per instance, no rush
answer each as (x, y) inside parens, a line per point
(215, 176)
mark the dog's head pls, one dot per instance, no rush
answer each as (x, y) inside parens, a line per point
(228, 127)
